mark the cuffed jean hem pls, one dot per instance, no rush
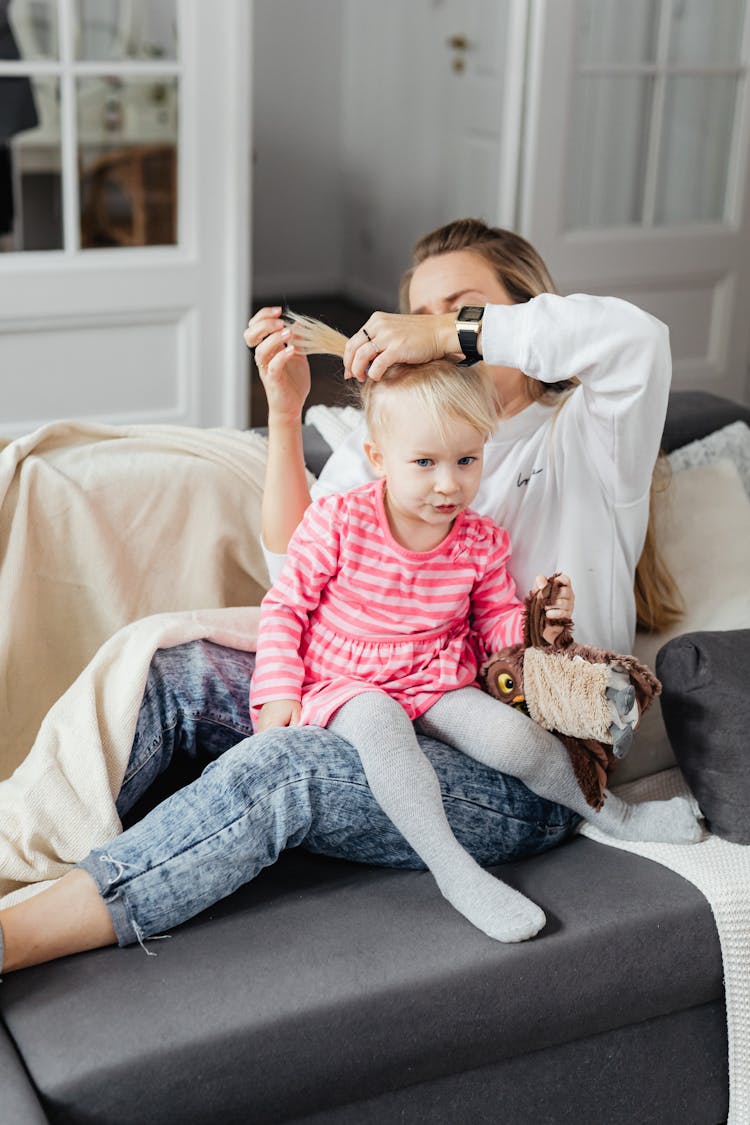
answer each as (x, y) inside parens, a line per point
(106, 873)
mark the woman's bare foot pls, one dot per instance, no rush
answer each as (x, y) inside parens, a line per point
(68, 917)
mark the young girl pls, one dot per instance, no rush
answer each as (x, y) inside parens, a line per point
(391, 595)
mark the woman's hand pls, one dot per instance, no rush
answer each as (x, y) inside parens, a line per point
(560, 607)
(284, 372)
(389, 338)
(278, 713)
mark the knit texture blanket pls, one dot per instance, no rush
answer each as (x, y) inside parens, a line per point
(721, 871)
(101, 525)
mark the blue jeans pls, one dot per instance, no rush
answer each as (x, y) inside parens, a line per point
(286, 788)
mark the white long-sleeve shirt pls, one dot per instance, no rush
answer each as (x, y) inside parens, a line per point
(570, 482)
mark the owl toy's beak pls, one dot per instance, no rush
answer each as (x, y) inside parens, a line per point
(519, 702)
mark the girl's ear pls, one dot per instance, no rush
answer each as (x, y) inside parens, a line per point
(375, 457)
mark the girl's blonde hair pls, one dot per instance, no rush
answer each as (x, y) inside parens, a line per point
(440, 390)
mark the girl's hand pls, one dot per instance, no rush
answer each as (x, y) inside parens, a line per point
(284, 372)
(561, 606)
(278, 713)
(389, 338)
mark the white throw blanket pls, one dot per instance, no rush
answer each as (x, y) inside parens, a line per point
(101, 525)
(721, 871)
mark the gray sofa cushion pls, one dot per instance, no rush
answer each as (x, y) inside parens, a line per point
(325, 984)
(706, 707)
(693, 414)
(19, 1104)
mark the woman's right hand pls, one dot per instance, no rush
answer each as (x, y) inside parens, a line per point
(284, 372)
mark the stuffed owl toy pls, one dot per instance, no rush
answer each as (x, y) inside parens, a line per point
(590, 698)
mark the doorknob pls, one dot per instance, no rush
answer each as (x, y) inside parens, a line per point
(458, 43)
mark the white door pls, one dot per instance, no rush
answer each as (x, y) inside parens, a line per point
(124, 265)
(480, 51)
(432, 94)
(635, 178)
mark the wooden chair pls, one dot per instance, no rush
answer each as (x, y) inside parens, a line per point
(129, 197)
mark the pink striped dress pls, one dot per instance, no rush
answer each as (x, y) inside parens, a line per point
(354, 611)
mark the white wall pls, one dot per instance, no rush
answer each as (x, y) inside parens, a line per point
(348, 120)
(296, 60)
(393, 139)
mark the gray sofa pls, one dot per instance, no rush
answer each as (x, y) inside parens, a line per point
(327, 993)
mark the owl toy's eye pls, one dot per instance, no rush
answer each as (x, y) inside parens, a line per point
(505, 682)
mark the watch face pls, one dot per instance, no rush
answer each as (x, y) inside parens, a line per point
(471, 314)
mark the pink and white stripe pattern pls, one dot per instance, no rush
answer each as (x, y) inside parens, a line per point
(355, 611)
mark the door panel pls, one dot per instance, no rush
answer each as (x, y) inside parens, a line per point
(432, 136)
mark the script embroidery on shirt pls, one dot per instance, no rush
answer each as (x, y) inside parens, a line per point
(525, 480)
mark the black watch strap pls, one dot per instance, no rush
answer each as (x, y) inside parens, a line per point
(468, 327)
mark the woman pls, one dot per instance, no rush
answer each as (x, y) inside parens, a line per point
(566, 474)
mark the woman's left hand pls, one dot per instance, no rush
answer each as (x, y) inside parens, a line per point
(389, 338)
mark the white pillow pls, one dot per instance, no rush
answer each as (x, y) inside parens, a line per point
(703, 526)
(334, 423)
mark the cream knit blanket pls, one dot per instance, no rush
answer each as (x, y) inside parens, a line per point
(721, 871)
(101, 525)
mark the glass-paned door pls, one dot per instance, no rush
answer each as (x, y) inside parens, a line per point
(636, 166)
(89, 128)
(124, 192)
(655, 109)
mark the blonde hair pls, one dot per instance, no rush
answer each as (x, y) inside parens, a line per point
(658, 601)
(440, 390)
(313, 337)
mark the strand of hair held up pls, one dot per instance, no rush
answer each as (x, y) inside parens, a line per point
(313, 337)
